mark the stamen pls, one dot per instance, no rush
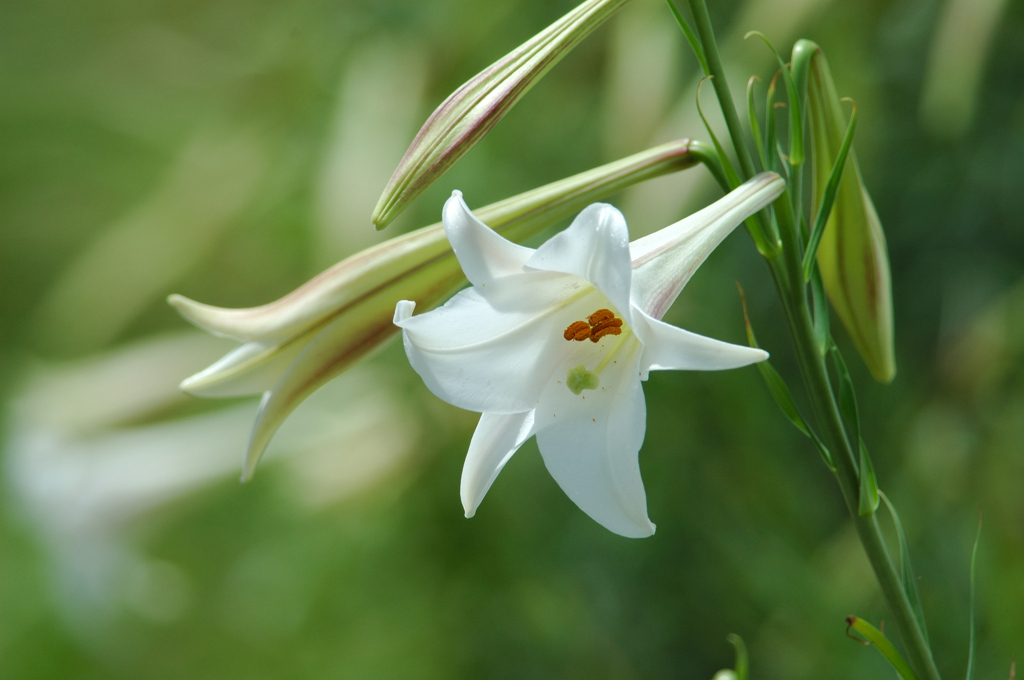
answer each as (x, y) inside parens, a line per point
(577, 330)
(599, 324)
(607, 330)
(605, 327)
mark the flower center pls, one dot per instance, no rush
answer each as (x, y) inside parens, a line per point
(599, 324)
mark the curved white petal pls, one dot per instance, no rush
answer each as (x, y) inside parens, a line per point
(664, 261)
(331, 291)
(496, 438)
(668, 347)
(252, 368)
(594, 247)
(497, 353)
(483, 253)
(590, 444)
(329, 351)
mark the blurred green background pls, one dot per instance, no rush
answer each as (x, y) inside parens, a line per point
(229, 150)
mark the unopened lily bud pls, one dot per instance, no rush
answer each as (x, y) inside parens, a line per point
(293, 346)
(852, 256)
(472, 110)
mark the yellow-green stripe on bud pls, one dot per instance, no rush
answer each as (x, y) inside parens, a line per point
(295, 345)
(472, 110)
(852, 255)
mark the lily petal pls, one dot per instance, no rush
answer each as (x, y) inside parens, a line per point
(334, 347)
(664, 261)
(594, 247)
(496, 351)
(251, 368)
(668, 347)
(496, 438)
(590, 445)
(483, 253)
(472, 110)
(330, 292)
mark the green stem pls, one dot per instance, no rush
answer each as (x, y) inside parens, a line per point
(706, 154)
(721, 85)
(789, 280)
(761, 225)
(787, 275)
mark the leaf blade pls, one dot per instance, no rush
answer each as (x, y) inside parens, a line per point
(882, 644)
(796, 132)
(691, 37)
(906, 568)
(829, 197)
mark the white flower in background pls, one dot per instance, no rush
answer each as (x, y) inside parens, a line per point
(98, 449)
(554, 342)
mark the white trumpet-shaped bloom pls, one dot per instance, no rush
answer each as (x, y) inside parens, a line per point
(554, 342)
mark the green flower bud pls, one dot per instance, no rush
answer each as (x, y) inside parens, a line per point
(472, 110)
(852, 256)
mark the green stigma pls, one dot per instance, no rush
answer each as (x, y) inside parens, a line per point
(580, 379)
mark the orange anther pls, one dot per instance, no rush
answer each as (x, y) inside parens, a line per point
(597, 334)
(607, 323)
(577, 330)
(600, 315)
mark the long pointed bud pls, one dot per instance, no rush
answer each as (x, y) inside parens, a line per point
(295, 345)
(852, 255)
(472, 110)
(664, 261)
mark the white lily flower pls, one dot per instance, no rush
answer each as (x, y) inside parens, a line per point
(554, 342)
(295, 345)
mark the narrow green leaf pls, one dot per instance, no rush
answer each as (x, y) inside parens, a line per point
(823, 451)
(755, 129)
(761, 241)
(829, 197)
(868, 483)
(691, 37)
(787, 167)
(847, 397)
(906, 569)
(776, 385)
(848, 405)
(797, 191)
(780, 391)
(742, 660)
(730, 172)
(821, 321)
(796, 130)
(882, 644)
(973, 641)
(771, 139)
(799, 65)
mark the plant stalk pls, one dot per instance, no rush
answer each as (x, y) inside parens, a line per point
(721, 85)
(793, 294)
(787, 274)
